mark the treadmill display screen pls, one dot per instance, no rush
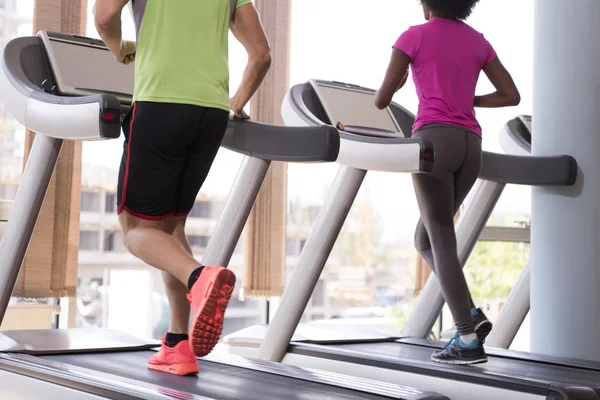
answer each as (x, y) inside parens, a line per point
(102, 72)
(354, 106)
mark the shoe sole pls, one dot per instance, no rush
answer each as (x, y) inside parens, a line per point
(460, 362)
(208, 319)
(483, 330)
(176, 369)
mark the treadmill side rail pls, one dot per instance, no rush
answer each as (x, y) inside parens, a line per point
(241, 199)
(25, 211)
(311, 263)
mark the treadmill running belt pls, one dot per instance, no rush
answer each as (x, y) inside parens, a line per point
(214, 380)
(497, 367)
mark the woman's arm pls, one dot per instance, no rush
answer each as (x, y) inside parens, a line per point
(506, 93)
(395, 78)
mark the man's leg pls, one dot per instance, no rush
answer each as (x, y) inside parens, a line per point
(153, 161)
(140, 235)
(210, 295)
(157, 141)
(147, 240)
(177, 291)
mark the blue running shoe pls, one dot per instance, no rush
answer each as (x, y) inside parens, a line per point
(482, 325)
(457, 352)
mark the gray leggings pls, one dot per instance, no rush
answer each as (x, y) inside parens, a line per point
(440, 194)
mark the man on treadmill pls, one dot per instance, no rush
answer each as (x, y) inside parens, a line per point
(172, 134)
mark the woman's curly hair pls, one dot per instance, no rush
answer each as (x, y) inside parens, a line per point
(451, 9)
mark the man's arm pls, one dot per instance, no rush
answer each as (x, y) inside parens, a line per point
(248, 29)
(107, 17)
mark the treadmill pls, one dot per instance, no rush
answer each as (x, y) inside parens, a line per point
(405, 358)
(68, 87)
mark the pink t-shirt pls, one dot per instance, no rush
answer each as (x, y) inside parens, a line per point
(447, 57)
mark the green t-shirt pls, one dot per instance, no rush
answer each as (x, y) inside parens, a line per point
(182, 51)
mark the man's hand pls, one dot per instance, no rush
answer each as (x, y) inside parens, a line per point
(248, 29)
(127, 52)
(107, 18)
(238, 109)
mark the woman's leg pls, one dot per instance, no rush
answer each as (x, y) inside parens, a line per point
(435, 194)
(435, 197)
(423, 246)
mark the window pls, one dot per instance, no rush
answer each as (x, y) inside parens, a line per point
(492, 271)
(113, 241)
(111, 202)
(319, 295)
(239, 247)
(89, 240)
(8, 191)
(198, 241)
(90, 202)
(234, 324)
(293, 247)
(207, 209)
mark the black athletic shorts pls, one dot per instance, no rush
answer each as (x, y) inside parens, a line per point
(168, 152)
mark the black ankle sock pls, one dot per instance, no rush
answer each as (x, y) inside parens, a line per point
(194, 277)
(173, 339)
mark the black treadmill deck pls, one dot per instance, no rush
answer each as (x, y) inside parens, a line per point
(532, 376)
(219, 380)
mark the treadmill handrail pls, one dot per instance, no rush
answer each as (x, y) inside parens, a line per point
(496, 167)
(366, 131)
(32, 107)
(529, 170)
(281, 143)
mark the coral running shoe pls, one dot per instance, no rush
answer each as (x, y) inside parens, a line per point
(178, 360)
(209, 298)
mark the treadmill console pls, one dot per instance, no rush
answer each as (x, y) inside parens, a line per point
(354, 106)
(83, 66)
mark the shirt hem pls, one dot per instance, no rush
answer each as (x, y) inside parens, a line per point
(478, 132)
(176, 100)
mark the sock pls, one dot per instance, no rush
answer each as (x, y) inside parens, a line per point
(194, 277)
(173, 339)
(467, 339)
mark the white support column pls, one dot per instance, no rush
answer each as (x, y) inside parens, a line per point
(565, 233)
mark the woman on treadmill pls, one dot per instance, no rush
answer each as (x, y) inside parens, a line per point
(446, 57)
